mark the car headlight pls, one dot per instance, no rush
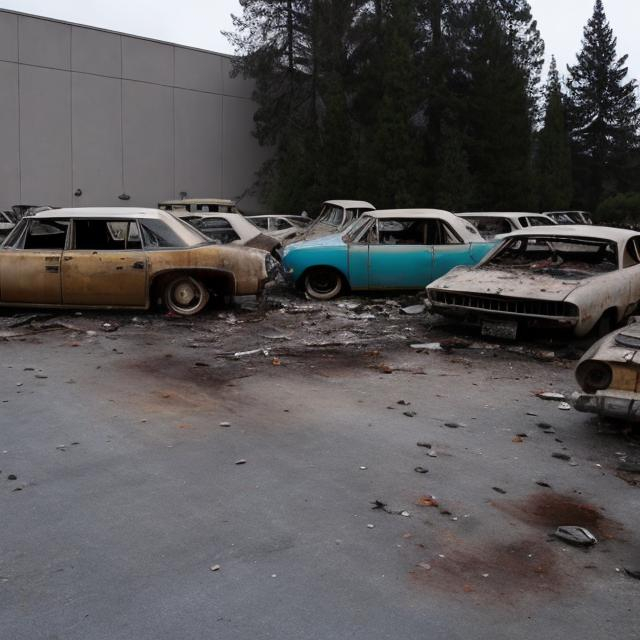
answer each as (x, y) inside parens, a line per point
(593, 375)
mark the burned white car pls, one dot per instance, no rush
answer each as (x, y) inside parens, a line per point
(609, 375)
(581, 278)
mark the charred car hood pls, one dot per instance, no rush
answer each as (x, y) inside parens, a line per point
(512, 284)
(264, 242)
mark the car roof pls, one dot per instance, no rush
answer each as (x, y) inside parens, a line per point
(101, 212)
(410, 213)
(500, 214)
(577, 231)
(222, 201)
(350, 204)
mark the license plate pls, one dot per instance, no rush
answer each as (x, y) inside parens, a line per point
(505, 330)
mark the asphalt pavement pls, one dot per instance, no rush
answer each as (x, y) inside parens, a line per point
(303, 474)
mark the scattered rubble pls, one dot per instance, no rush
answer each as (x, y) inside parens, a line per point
(578, 536)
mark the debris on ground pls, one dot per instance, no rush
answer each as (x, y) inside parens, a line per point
(427, 501)
(499, 490)
(424, 445)
(429, 346)
(578, 536)
(632, 573)
(413, 310)
(225, 424)
(409, 414)
(550, 395)
(215, 567)
(561, 456)
(421, 470)
(12, 476)
(564, 406)
(455, 425)
(241, 462)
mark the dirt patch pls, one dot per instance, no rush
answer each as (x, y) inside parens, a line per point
(504, 573)
(551, 510)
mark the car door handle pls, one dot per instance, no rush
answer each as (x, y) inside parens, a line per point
(138, 265)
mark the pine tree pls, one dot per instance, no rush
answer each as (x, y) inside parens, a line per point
(497, 112)
(604, 113)
(553, 160)
(273, 39)
(388, 165)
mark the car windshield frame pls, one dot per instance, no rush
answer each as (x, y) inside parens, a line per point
(357, 228)
(557, 268)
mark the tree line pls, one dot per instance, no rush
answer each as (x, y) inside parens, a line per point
(438, 103)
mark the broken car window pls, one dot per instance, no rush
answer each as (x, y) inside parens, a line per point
(106, 235)
(156, 234)
(631, 253)
(357, 232)
(556, 256)
(217, 229)
(42, 234)
(489, 228)
(415, 232)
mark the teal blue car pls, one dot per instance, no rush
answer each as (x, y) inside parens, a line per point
(404, 249)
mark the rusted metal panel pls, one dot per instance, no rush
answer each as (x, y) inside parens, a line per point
(30, 277)
(114, 278)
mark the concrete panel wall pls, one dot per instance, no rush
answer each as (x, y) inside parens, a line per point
(148, 142)
(97, 139)
(8, 37)
(198, 143)
(107, 114)
(147, 61)
(9, 133)
(241, 153)
(44, 43)
(198, 70)
(45, 136)
(96, 52)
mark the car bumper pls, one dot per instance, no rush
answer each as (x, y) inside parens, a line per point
(477, 318)
(620, 405)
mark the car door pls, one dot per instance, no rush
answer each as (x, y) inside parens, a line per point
(30, 262)
(400, 256)
(449, 250)
(105, 265)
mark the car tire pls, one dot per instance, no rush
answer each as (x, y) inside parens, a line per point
(323, 283)
(185, 296)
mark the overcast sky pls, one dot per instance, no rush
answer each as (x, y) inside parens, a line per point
(198, 23)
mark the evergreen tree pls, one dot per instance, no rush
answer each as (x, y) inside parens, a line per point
(603, 113)
(388, 165)
(497, 112)
(555, 187)
(274, 41)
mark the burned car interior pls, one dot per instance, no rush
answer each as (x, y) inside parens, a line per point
(557, 257)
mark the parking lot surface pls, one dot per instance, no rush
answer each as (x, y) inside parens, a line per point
(298, 470)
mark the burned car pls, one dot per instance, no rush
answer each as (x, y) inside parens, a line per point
(580, 278)
(335, 216)
(491, 224)
(230, 228)
(123, 258)
(609, 375)
(203, 205)
(402, 249)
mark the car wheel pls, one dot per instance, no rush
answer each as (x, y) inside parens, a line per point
(323, 283)
(185, 296)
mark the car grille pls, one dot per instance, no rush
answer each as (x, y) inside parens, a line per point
(519, 306)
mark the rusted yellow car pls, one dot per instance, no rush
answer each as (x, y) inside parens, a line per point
(123, 258)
